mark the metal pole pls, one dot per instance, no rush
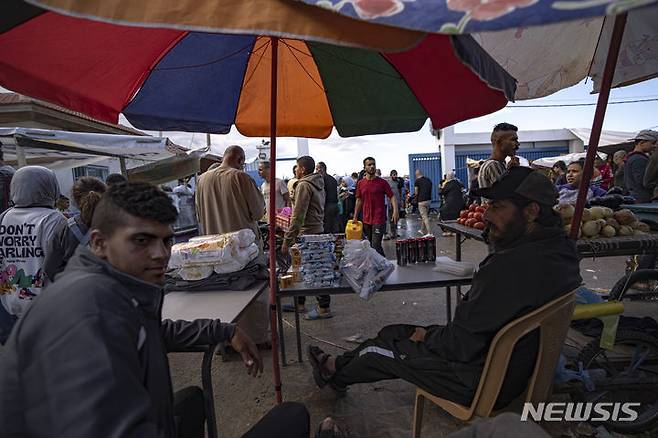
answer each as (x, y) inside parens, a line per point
(20, 157)
(122, 163)
(597, 125)
(272, 224)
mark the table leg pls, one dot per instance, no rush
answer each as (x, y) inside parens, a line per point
(458, 257)
(448, 304)
(282, 341)
(208, 396)
(298, 332)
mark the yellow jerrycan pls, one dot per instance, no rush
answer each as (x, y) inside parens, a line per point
(354, 230)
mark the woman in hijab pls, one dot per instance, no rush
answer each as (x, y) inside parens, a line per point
(25, 230)
(86, 192)
(453, 198)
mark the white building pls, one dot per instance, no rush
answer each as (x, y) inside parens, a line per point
(455, 148)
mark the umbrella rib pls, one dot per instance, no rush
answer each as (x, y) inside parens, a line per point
(251, 75)
(205, 64)
(359, 65)
(302, 65)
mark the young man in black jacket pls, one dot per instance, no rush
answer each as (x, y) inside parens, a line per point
(89, 359)
(529, 245)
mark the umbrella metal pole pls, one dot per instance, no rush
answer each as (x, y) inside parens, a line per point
(597, 124)
(272, 224)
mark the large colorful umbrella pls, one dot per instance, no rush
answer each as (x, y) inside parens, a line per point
(168, 79)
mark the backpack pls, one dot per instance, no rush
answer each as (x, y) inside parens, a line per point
(74, 227)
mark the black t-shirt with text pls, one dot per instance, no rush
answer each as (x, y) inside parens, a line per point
(424, 186)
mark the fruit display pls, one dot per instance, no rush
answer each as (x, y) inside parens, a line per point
(473, 216)
(601, 221)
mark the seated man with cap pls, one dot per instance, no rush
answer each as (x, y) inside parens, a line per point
(447, 360)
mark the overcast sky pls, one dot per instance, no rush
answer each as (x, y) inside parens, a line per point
(344, 155)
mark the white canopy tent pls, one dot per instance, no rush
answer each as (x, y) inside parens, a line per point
(62, 149)
(548, 162)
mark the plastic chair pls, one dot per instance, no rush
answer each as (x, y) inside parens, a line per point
(553, 320)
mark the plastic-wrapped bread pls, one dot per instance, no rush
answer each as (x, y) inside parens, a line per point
(212, 249)
(194, 273)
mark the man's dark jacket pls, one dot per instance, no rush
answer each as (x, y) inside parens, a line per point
(88, 358)
(634, 170)
(510, 283)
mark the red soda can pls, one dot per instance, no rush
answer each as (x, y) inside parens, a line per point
(431, 249)
(422, 254)
(412, 251)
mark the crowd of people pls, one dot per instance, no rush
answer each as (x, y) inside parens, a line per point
(81, 294)
(633, 173)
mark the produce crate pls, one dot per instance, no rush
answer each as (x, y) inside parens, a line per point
(283, 222)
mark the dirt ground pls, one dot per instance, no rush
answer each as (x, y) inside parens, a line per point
(383, 409)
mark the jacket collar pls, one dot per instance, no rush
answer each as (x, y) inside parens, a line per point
(147, 295)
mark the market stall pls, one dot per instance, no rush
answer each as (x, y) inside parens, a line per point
(395, 92)
(600, 247)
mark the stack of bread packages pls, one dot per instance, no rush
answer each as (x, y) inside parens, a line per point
(218, 253)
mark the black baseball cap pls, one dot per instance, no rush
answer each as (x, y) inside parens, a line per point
(522, 182)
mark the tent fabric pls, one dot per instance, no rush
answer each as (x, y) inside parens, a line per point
(638, 54)
(445, 108)
(302, 108)
(366, 92)
(607, 137)
(469, 16)
(283, 18)
(536, 57)
(549, 162)
(206, 82)
(15, 12)
(65, 150)
(195, 87)
(94, 68)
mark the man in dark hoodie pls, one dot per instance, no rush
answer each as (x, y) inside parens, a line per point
(88, 359)
(447, 360)
(308, 218)
(331, 214)
(636, 166)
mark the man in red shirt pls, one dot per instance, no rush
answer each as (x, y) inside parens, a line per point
(370, 192)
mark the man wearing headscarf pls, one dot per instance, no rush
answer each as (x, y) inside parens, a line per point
(25, 230)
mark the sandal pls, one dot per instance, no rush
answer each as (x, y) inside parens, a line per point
(315, 314)
(334, 432)
(321, 375)
(317, 358)
(290, 308)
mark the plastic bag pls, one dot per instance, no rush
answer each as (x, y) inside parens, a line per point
(364, 268)
(212, 249)
(450, 266)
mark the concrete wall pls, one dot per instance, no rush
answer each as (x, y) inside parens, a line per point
(454, 144)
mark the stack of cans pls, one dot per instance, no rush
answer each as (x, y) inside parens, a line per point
(418, 250)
